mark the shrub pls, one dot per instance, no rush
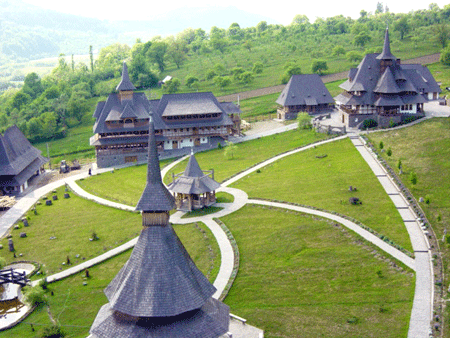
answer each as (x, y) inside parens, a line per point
(54, 331)
(369, 123)
(304, 120)
(381, 145)
(389, 152)
(35, 296)
(413, 178)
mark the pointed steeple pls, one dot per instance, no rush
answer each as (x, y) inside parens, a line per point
(156, 197)
(386, 53)
(125, 84)
(193, 169)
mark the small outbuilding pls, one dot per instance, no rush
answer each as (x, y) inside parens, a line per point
(19, 161)
(194, 188)
(304, 93)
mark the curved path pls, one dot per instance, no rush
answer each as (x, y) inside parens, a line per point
(422, 306)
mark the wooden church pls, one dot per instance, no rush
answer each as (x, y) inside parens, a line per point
(159, 292)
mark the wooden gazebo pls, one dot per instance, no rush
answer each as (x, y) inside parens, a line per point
(194, 188)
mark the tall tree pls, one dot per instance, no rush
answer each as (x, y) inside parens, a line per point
(91, 57)
(156, 53)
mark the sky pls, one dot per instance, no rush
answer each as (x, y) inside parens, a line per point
(281, 11)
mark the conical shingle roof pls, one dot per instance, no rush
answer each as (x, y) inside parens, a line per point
(125, 84)
(160, 279)
(155, 197)
(386, 53)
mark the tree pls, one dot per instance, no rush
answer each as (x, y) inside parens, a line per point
(319, 66)
(353, 56)
(190, 80)
(379, 8)
(257, 68)
(361, 39)
(246, 77)
(111, 58)
(156, 53)
(32, 85)
(91, 57)
(235, 32)
(176, 51)
(230, 150)
(222, 81)
(338, 50)
(172, 85)
(304, 120)
(261, 26)
(290, 69)
(445, 56)
(442, 34)
(402, 26)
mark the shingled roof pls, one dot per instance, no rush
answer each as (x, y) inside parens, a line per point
(392, 84)
(125, 84)
(304, 89)
(160, 292)
(193, 180)
(160, 279)
(155, 197)
(18, 155)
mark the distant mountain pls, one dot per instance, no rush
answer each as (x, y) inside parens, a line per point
(30, 32)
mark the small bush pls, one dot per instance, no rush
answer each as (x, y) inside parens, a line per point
(35, 296)
(413, 178)
(54, 331)
(389, 152)
(381, 145)
(369, 123)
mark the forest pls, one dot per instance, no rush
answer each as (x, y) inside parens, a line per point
(222, 60)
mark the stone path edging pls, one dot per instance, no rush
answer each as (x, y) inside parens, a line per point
(422, 310)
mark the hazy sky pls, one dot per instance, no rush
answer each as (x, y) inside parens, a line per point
(281, 11)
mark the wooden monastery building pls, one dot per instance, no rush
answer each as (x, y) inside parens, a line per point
(194, 188)
(383, 89)
(19, 161)
(159, 292)
(181, 121)
(304, 93)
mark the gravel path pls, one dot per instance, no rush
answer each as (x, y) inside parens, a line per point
(423, 60)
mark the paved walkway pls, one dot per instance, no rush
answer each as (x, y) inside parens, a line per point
(422, 310)
(422, 307)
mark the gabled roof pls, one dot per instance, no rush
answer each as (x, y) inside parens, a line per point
(125, 84)
(128, 112)
(189, 104)
(17, 153)
(386, 84)
(155, 197)
(160, 279)
(304, 89)
(193, 168)
(230, 108)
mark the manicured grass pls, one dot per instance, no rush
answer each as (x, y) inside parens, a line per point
(202, 212)
(126, 185)
(425, 150)
(300, 276)
(261, 105)
(324, 183)
(75, 306)
(72, 222)
(224, 197)
(249, 153)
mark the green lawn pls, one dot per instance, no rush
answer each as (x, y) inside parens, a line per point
(127, 187)
(301, 276)
(129, 182)
(72, 222)
(324, 183)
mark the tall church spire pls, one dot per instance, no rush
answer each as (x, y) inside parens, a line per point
(156, 197)
(386, 53)
(125, 84)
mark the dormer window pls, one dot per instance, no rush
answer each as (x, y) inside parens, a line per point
(128, 121)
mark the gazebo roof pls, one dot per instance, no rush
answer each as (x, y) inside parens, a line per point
(193, 180)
